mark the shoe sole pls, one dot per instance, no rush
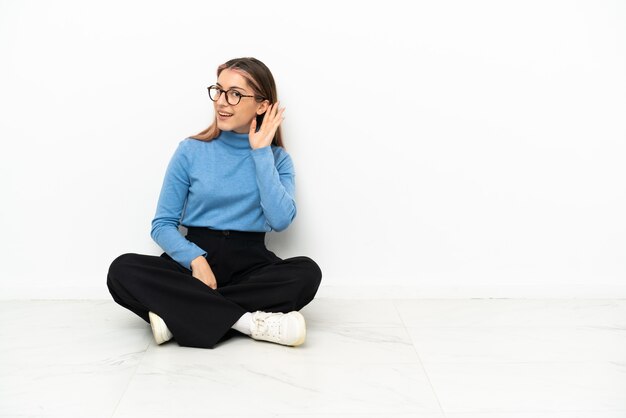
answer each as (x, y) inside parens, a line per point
(302, 324)
(159, 334)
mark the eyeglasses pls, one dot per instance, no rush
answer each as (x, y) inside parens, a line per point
(233, 97)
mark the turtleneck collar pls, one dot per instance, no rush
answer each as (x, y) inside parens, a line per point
(234, 139)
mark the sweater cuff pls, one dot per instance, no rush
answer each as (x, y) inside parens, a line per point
(186, 261)
(263, 153)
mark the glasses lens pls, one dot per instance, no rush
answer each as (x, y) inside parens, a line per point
(214, 92)
(233, 97)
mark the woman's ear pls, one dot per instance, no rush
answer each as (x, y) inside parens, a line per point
(263, 107)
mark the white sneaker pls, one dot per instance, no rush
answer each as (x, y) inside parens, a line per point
(159, 329)
(278, 327)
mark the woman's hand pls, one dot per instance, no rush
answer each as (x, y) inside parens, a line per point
(201, 270)
(273, 117)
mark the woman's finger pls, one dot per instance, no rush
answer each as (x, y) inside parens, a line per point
(272, 111)
(279, 118)
(276, 109)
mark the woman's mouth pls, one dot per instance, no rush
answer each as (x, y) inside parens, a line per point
(223, 115)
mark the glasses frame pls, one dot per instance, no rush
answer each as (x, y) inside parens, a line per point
(258, 98)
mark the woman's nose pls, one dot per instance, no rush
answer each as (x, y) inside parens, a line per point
(223, 98)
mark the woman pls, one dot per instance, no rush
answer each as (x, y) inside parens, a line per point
(228, 185)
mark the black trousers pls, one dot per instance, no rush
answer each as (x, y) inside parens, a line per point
(249, 278)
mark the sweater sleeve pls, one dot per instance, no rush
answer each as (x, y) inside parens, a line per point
(169, 211)
(276, 182)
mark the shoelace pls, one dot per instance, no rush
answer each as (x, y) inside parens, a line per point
(268, 326)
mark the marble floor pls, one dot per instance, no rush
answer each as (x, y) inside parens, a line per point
(460, 358)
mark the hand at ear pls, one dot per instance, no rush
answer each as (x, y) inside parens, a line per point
(272, 119)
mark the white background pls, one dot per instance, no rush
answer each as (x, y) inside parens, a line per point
(441, 149)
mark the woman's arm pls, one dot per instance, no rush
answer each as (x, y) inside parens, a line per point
(276, 182)
(170, 208)
(274, 175)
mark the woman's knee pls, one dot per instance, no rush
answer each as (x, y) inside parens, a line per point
(313, 271)
(119, 267)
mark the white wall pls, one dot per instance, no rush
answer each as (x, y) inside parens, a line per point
(442, 149)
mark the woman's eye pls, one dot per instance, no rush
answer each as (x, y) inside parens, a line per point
(236, 94)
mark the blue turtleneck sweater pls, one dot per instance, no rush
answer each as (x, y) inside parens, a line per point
(223, 184)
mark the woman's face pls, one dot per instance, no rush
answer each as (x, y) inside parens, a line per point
(242, 113)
